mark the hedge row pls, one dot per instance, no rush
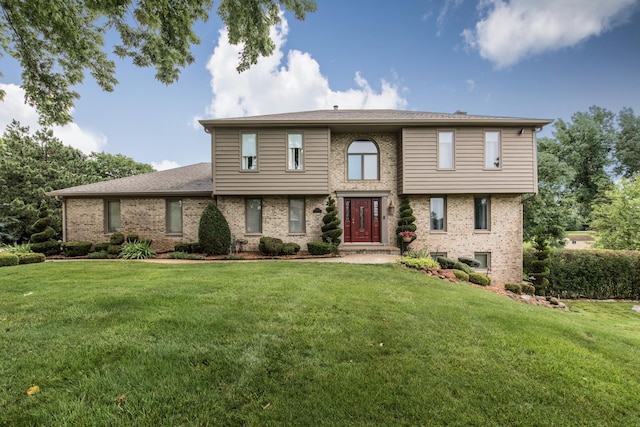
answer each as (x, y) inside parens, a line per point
(596, 274)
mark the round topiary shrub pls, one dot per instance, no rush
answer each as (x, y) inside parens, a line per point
(516, 288)
(479, 279)
(471, 262)
(114, 249)
(446, 263)
(214, 235)
(319, 248)
(99, 247)
(116, 239)
(270, 246)
(290, 248)
(528, 288)
(461, 275)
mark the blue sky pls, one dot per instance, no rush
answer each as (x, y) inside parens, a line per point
(523, 58)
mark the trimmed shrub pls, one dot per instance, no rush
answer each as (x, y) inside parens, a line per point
(101, 255)
(114, 249)
(471, 262)
(271, 246)
(405, 223)
(419, 263)
(99, 247)
(8, 259)
(214, 234)
(188, 247)
(116, 239)
(480, 279)
(461, 275)
(184, 255)
(48, 248)
(30, 258)
(290, 248)
(539, 266)
(462, 266)
(516, 288)
(527, 288)
(73, 249)
(320, 248)
(331, 230)
(446, 263)
(137, 250)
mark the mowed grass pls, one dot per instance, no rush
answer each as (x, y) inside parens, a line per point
(299, 343)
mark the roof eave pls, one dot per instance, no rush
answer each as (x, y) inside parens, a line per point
(104, 195)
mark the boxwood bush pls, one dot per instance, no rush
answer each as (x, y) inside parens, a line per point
(99, 247)
(290, 248)
(8, 259)
(271, 246)
(73, 249)
(319, 248)
(462, 266)
(516, 288)
(461, 275)
(419, 263)
(480, 279)
(30, 258)
(446, 263)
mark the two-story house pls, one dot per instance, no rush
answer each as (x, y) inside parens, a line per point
(271, 175)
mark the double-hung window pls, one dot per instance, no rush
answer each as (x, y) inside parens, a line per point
(112, 216)
(296, 215)
(249, 151)
(492, 150)
(362, 160)
(481, 212)
(295, 159)
(438, 220)
(446, 149)
(174, 216)
(253, 215)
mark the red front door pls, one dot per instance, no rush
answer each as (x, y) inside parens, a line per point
(361, 220)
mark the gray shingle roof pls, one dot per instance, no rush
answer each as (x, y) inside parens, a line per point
(380, 117)
(192, 180)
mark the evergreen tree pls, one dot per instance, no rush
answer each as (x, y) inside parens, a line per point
(331, 230)
(214, 234)
(540, 265)
(405, 223)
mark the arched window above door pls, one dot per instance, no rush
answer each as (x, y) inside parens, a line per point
(363, 161)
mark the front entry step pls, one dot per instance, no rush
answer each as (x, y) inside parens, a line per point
(369, 249)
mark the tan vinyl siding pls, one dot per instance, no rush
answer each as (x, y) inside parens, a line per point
(271, 176)
(419, 174)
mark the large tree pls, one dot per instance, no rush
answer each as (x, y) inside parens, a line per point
(617, 221)
(552, 210)
(627, 145)
(57, 41)
(32, 164)
(585, 144)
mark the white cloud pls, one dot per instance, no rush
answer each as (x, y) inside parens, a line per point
(297, 85)
(448, 6)
(14, 107)
(513, 30)
(164, 165)
(471, 85)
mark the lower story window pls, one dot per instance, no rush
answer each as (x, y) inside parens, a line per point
(112, 216)
(438, 214)
(296, 215)
(484, 258)
(253, 215)
(174, 216)
(481, 211)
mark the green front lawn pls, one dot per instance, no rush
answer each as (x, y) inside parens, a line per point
(301, 343)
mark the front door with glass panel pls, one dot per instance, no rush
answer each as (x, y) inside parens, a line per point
(361, 220)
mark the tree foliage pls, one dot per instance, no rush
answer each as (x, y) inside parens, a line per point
(585, 145)
(214, 234)
(552, 210)
(627, 145)
(32, 164)
(57, 41)
(617, 221)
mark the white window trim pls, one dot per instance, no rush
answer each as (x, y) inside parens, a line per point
(244, 165)
(362, 161)
(304, 216)
(482, 230)
(290, 152)
(168, 216)
(246, 219)
(444, 222)
(107, 216)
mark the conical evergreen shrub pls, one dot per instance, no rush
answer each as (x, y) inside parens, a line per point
(406, 222)
(214, 234)
(540, 265)
(42, 240)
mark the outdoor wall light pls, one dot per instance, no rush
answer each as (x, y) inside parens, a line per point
(392, 207)
(317, 210)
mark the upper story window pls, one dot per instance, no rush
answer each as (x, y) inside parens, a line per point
(295, 159)
(492, 150)
(362, 160)
(174, 216)
(438, 219)
(249, 151)
(112, 216)
(445, 149)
